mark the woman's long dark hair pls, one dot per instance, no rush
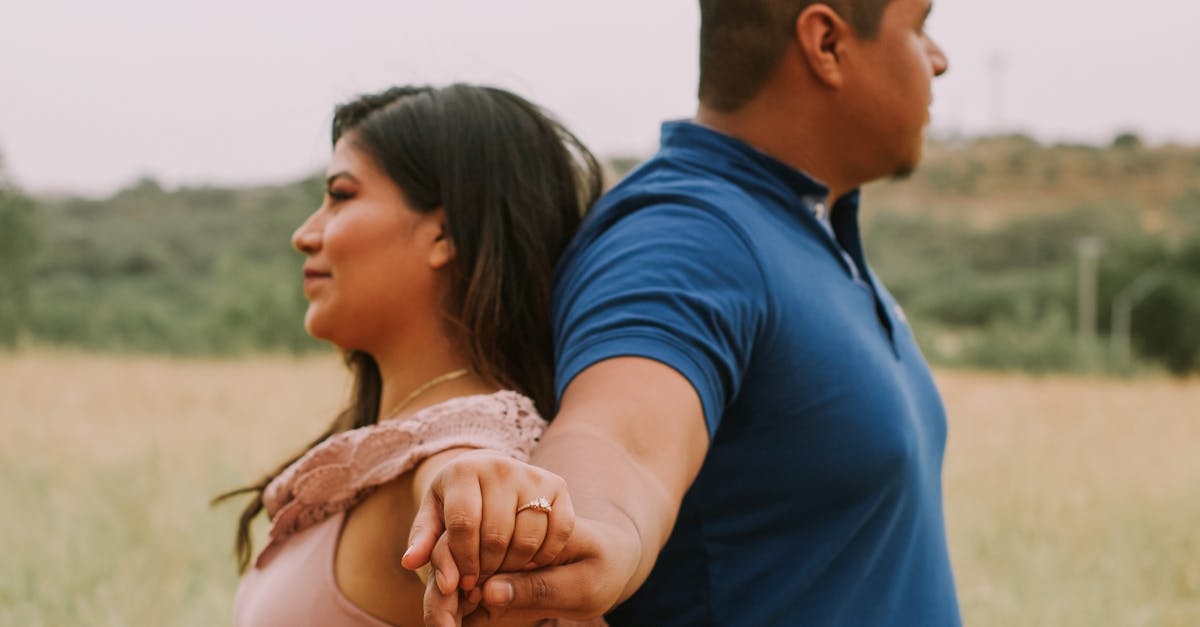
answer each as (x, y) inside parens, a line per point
(514, 184)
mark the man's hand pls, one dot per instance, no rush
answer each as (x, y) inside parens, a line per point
(585, 584)
(596, 568)
(474, 499)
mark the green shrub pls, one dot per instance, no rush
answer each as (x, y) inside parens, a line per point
(19, 238)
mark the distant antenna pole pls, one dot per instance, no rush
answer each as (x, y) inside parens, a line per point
(1088, 249)
(997, 69)
(1122, 315)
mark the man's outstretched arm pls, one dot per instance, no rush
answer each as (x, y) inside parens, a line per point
(629, 440)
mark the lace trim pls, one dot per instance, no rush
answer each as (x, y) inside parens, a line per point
(343, 470)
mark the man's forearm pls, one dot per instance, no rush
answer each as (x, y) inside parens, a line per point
(608, 485)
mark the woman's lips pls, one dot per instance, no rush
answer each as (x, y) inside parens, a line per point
(313, 277)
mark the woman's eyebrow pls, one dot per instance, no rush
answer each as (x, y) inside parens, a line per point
(336, 175)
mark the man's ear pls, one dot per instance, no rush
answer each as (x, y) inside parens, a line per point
(441, 253)
(822, 36)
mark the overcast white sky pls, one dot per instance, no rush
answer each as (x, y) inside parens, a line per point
(96, 94)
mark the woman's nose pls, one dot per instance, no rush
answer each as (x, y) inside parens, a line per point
(307, 238)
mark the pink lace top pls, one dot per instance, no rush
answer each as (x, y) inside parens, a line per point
(292, 583)
(340, 472)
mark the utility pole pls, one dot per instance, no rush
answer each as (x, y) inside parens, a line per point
(1088, 249)
(997, 70)
(1122, 315)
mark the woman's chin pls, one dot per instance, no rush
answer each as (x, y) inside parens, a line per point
(317, 327)
(314, 326)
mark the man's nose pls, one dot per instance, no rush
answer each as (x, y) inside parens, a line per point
(938, 56)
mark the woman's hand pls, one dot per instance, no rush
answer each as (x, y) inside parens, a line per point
(475, 500)
(443, 605)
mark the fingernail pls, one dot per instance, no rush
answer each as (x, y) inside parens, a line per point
(468, 582)
(501, 594)
(406, 552)
(531, 566)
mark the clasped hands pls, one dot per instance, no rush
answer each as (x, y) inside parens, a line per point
(494, 564)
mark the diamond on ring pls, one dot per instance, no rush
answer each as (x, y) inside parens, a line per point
(540, 504)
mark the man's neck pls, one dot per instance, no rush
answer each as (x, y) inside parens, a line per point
(788, 138)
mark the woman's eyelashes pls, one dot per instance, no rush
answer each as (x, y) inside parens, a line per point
(338, 195)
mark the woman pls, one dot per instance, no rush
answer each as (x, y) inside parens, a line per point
(429, 264)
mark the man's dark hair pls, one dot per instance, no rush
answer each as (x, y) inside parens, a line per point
(741, 42)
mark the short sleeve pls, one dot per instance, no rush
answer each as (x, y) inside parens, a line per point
(675, 283)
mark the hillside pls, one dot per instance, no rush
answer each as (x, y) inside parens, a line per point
(980, 245)
(989, 181)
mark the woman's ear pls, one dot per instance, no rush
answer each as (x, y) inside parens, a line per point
(441, 252)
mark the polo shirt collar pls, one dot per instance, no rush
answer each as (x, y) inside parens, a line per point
(729, 155)
(750, 168)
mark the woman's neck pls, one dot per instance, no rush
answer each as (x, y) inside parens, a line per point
(429, 369)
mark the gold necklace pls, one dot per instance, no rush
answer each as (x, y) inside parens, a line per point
(449, 376)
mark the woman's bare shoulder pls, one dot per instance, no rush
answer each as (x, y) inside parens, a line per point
(367, 563)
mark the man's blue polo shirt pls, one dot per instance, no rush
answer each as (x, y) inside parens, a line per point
(819, 501)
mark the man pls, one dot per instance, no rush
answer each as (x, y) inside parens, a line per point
(749, 434)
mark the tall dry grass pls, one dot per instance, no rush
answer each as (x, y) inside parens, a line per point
(1069, 501)
(1073, 501)
(106, 468)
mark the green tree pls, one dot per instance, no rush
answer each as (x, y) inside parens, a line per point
(1127, 140)
(18, 245)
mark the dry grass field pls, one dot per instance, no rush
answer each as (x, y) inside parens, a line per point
(1069, 501)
